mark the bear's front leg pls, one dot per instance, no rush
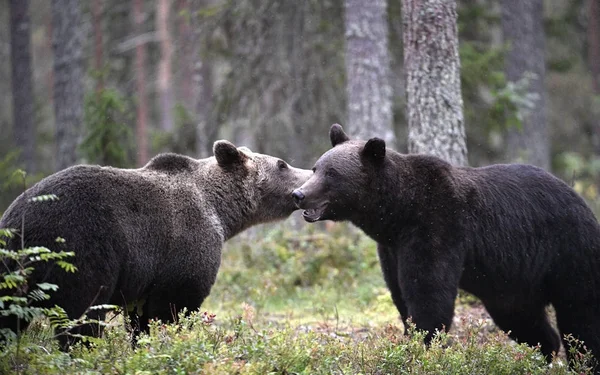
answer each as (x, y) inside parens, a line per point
(389, 266)
(429, 284)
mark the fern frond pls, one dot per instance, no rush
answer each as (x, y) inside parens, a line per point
(48, 286)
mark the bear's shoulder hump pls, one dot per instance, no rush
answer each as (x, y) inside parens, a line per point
(172, 163)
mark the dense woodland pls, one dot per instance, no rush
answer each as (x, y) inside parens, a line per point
(116, 82)
(475, 82)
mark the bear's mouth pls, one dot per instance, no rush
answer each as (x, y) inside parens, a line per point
(314, 214)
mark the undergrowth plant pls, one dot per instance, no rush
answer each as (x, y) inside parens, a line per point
(22, 300)
(248, 328)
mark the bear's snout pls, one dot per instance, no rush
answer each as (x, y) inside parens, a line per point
(298, 196)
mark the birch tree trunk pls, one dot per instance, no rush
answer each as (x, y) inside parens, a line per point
(522, 28)
(141, 132)
(68, 78)
(22, 89)
(368, 70)
(434, 102)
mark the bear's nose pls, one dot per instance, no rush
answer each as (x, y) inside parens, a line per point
(297, 195)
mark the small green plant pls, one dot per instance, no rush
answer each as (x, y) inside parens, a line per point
(22, 300)
(515, 101)
(19, 296)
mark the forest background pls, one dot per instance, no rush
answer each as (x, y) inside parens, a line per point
(115, 82)
(166, 75)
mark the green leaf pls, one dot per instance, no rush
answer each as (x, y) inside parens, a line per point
(66, 266)
(44, 198)
(47, 286)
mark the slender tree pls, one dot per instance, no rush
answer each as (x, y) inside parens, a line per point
(432, 65)
(98, 42)
(141, 132)
(163, 10)
(593, 54)
(187, 52)
(594, 43)
(48, 20)
(22, 90)
(68, 78)
(368, 70)
(522, 28)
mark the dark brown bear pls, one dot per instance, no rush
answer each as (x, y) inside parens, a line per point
(513, 235)
(150, 236)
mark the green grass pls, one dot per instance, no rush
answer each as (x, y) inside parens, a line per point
(308, 301)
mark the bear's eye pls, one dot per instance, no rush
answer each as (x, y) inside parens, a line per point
(330, 173)
(281, 164)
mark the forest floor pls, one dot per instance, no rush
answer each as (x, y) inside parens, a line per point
(288, 302)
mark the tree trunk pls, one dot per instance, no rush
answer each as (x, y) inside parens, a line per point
(206, 133)
(141, 132)
(368, 70)
(22, 90)
(522, 27)
(165, 90)
(48, 39)
(98, 43)
(68, 78)
(432, 64)
(594, 43)
(199, 86)
(593, 33)
(188, 53)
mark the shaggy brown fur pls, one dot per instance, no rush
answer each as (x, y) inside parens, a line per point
(150, 236)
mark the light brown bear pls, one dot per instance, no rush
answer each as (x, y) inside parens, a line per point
(151, 236)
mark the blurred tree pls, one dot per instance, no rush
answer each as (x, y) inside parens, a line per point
(523, 31)
(594, 66)
(594, 43)
(97, 16)
(68, 37)
(120, 52)
(24, 130)
(141, 131)
(197, 75)
(165, 91)
(284, 74)
(431, 60)
(368, 70)
(107, 139)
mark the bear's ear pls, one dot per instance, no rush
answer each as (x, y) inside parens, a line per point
(246, 151)
(337, 135)
(227, 154)
(374, 150)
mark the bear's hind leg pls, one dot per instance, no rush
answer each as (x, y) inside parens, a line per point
(530, 327)
(166, 303)
(584, 325)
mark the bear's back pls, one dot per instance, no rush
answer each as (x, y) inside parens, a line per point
(526, 221)
(172, 163)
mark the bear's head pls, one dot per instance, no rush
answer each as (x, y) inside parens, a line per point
(265, 181)
(342, 178)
